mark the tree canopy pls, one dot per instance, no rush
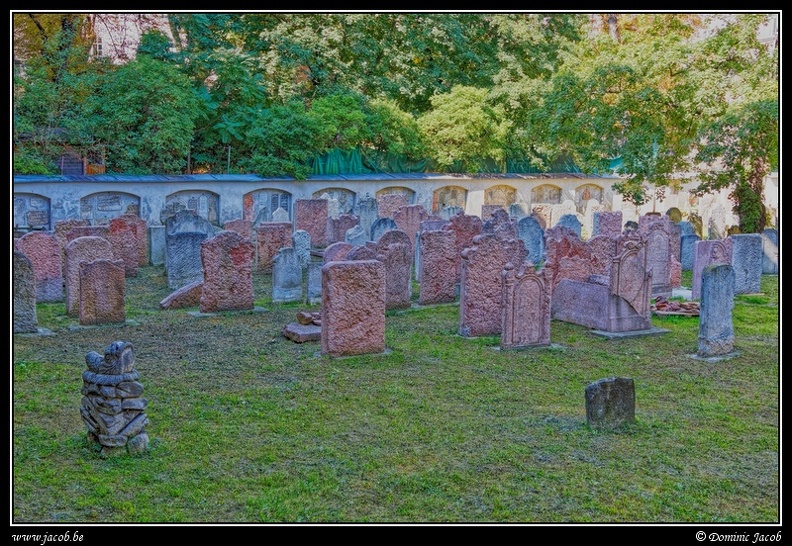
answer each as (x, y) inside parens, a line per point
(663, 95)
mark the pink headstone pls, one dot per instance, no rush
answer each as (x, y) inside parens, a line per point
(488, 210)
(709, 252)
(311, 215)
(465, 227)
(658, 250)
(241, 226)
(568, 257)
(408, 219)
(127, 235)
(188, 295)
(44, 252)
(388, 204)
(270, 238)
(88, 231)
(337, 252)
(394, 249)
(608, 223)
(337, 227)
(438, 267)
(353, 308)
(227, 260)
(481, 290)
(102, 291)
(82, 249)
(526, 307)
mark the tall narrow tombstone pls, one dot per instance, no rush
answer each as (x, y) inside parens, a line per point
(136, 228)
(311, 215)
(44, 252)
(687, 245)
(82, 249)
(770, 251)
(408, 219)
(270, 238)
(112, 406)
(24, 297)
(438, 267)
(314, 288)
(658, 252)
(287, 280)
(125, 237)
(481, 290)
(380, 226)
(716, 329)
(156, 244)
(610, 403)
(394, 249)
(706, 253)
(532, 235)
(183, 258)
(353, 308)
(301, 242)
(367, 212)
(747, 263)
(465, 228)
(102, 292)
(227, 260)
(526, 307)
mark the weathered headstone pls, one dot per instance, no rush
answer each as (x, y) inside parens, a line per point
(126, 238)
(270, 238)
(532, 235)
(394, 249)
(353, 308)
(572, 222)
(361, 252)
(686, 228)
(408, 219)
(356, 235)
(367, 212)
(658, 252)
(526, 307)
(82, 249)
(706, 253)
(481, 290)
(380, 226)
(187, 296)
(770, 251)
(446, 213)
(747, 258)
(518, 210)
(311, 215)
(339, 225)
(388, 204)
(610, 403)
(241, 226)
(102, 292)
(88, 231)
(227, 260)
(44, 252)
(280, 215)
(287, 279)
(465, 228)
(112, 405)
(314, 283)
(337, 252)
(716, 330)
(687, 246)
(567, 257)
(24, 297)
(487, 211)
(183, 258)
(301, 242)
(438, 277)
(156, 244)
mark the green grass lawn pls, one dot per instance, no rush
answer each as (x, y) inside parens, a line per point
(247, 426)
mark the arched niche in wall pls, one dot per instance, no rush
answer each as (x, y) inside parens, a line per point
(500, 195)
(398, 190)
(32, 211)
(546, 194)
(585, 193)
(259, 205)
(449, 196)
(203, 202)
(100, 208)
(345, 198)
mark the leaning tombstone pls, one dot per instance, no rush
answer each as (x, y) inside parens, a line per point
(112, 405)
(24, 297)
(610, 403)
(353, 308)
(286, 276)
(716, 330)
(526, 307)
(102, 292)
(747, 263)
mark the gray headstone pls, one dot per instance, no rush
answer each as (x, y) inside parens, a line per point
(367, 212)
(301, 241)
(716, 331)
(314, 283)
(356, 235)
(446, 213)
(610, 403)
(157, 244)
(280, 215)
(24, 300)
(571, 221)
(380, 226)
(686, 228)
(770, 252)
(688, 247)
(532, 235)
(286, 276)
(747, 263)
(518, 210)
(183, 259)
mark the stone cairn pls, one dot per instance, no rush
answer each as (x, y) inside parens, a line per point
(112, 406)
